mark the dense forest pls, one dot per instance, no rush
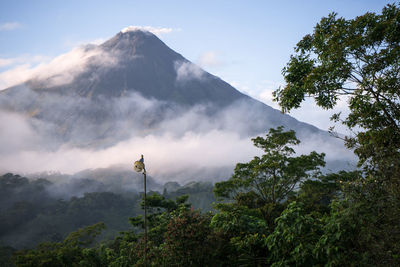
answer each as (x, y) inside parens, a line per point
(30, 213)
(278, 209)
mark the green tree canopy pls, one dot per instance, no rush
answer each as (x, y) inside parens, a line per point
(260, 187)
(360, 59)
(273, 176)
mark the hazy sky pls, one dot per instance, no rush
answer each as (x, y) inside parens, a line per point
(246, 43)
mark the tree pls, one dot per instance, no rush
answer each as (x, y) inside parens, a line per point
(74, 251)
(257, 193)
(188, 239)
(294, 238)
(242, 232)
(160, 213)
(271, 178)
(317, 194)
(128, 248)
(357, 58)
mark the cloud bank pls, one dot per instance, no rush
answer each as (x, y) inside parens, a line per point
(182, 147)
(58, 71)
(309, 112)
(186, 71)
(71, 134)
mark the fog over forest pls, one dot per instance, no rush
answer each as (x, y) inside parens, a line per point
(173, 148)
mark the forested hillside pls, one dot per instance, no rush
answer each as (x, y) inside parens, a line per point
(277, 209)
(31, 213)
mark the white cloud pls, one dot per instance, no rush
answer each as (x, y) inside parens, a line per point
(78, 43)
(186, 71)
(267, 97)
(9, 26)
(6, 61)
(24, 59)
(164, 153)
(308, 112)
(60, 70)
(17, 133)
(64, 68)
(209, 59)
(241, 87)
(17, 75)
(154, 30)
(190, 141)
(22, 150)
(264, 92)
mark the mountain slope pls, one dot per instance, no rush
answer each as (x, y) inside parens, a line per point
(138, 61)
(127, 91)
(134, 80)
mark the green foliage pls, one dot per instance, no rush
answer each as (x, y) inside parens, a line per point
(271, 178)
(187, 239)
(238, 220)
(294, 237)
(328, 220)
(200, 194)
(29, 214)
(6, 256)
(358, 58)
(250, 250)
(259, 191)
(341, 242)
(72, 252)
(368, 220)
(128, 248)
(317, 194)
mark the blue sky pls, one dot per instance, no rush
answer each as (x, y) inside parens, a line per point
(246, 43)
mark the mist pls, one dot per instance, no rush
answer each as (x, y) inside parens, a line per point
(58, 131)
(128, 127)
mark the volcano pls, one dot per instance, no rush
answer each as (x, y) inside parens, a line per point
(137, 61)
(134, 84)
